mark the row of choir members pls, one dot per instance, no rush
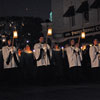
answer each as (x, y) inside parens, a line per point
(43, 54)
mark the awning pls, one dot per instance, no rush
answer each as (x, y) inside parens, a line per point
(83, 7)
(69, 12)
(96, 4)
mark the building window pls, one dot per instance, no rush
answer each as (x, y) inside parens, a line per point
(73, 21)
(86, 16)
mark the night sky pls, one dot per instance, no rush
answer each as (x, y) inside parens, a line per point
(36, 8)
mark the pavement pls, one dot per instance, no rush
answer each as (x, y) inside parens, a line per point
(86, 91)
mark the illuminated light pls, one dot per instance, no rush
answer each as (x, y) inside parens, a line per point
(83, 35)
(10, 25)
(83, 47)
(4, 40)
(49, 31)
(33, 50)
(27, 41)
(28, 51)
(90, 45)
(15, 34)
(62, 48)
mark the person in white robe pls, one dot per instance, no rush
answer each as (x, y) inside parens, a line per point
(95, 54)
(74, 59)
(78, 54)
(74, 55)
(10, 56)
(42, 53)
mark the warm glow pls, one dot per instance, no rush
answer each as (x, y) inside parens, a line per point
(83, 47)
(15, 34)
(3, 40)
(49, 31)
(19, 52)
(83, 35)
(90, 45)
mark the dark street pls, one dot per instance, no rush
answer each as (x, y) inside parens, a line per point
(54, 92)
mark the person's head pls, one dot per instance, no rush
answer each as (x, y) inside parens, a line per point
(56, 46)
(95, 42)
(41, 39)
(19, 52)
(27, 47)
(77, 45)
(9, 42)
(72, 42)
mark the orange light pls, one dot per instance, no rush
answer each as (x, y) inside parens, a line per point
(83, 35)
(15, 34)
(49, 31)
(4, 40)
(83, 47)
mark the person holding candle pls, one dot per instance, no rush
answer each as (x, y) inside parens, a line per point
(10, 55)
(43, 56)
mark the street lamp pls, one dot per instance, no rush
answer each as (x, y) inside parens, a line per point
(83, 35)
(83, 47)
(4, 40)
(15, 34)
(49, 32)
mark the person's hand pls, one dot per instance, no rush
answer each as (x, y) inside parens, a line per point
(11, 50)
(44, 46)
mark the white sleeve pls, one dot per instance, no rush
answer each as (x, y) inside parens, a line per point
(81, 55)
(70, 53)
(4, 53)
(92, 53)
(37, 51)
(16, 52)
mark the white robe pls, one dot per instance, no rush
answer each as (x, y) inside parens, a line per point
(73, 58)
(43, 61)
(94, 57)
(5, 52)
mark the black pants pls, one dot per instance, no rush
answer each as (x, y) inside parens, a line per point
(44, 74)
(95, 74)
(75, 74)
(10, 75)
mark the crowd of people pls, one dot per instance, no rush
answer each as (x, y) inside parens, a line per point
(44, 64)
